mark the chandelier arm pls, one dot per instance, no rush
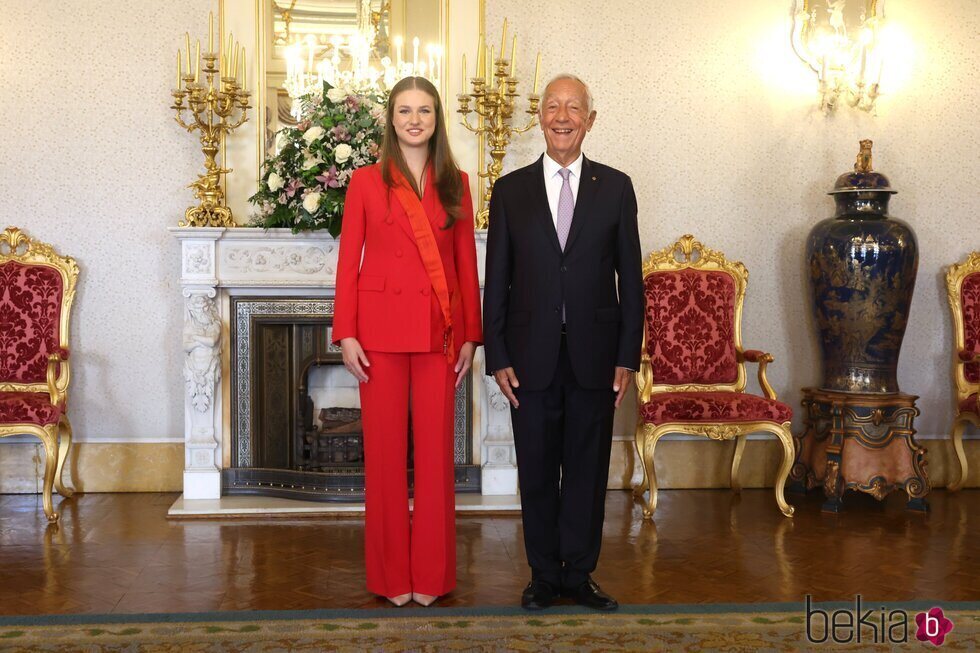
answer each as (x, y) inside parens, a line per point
(180, 121)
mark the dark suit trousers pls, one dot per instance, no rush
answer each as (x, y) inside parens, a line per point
(563, 436)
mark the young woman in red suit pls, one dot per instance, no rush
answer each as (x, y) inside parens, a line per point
(407, 317)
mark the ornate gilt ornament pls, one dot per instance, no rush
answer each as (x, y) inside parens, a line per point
(216, 107)
(494, 91)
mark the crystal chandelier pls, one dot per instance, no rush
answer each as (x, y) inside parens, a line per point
(842, 45)
(348, 64)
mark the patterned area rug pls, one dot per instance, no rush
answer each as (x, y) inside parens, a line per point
(730, 628)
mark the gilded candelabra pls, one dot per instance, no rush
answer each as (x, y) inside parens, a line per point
(216, 109)
(493, 101)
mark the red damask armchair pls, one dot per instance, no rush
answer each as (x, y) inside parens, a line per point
(692, 376)
(963, 291)
(36, 291)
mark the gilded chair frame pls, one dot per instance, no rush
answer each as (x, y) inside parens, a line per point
(688, 253)
(15, 245)
(955, 276)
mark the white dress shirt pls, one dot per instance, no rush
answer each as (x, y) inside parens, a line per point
(553, 182)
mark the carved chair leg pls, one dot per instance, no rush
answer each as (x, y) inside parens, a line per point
(737, 461)
(957, 438)
(64, 446)
(638, 438)
(789, 453)
(650, 445)
(50, 440)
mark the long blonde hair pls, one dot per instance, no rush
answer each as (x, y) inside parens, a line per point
(448, 181)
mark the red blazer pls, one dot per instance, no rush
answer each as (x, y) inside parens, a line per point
(385, 299)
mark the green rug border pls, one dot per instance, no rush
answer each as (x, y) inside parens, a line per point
(491, 611)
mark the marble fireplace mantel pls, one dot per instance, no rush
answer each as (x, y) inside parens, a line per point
(218, 264)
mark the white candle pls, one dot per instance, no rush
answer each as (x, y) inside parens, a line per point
(197, 60)
(513, 57)
(503, 41)
(480, 61)
(415, 55)
(398, 50)
(210, 31)
(462, 78)
(537, 67)
(178, 68)
(187, 41)
(481, 64)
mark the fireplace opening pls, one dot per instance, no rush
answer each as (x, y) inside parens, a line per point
(296, 409)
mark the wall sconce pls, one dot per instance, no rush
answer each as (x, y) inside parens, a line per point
(841, 42)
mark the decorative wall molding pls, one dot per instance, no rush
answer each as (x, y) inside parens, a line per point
(300, 259)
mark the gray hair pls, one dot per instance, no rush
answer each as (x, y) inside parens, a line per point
(575, 78)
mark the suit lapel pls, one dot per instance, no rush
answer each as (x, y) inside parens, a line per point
(588, 188)
(538, 202)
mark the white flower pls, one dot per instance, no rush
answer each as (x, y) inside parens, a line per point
(311, 201)
(312, 134)
(336, 95)
(281, 141)
(342, 153)
(275, 182)
(311, 162)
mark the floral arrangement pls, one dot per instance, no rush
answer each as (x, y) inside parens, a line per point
(303, 186)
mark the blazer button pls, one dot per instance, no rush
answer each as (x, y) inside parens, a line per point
(564, 269)
(389, 220)
(425, 291)
(397, 291)
(398, 253)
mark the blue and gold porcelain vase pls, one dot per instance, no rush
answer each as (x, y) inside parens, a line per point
(862, 271)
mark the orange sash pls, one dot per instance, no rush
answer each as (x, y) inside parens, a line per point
(431, 258)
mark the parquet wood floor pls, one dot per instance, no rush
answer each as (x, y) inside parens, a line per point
(119, 553)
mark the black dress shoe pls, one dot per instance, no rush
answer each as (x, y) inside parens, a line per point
(538, 595)
(591, 596)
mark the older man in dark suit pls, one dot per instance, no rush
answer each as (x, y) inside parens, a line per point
(563, 325)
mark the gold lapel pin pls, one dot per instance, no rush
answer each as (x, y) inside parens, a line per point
(593, 179)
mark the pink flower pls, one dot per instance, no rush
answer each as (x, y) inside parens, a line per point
(340, 133)
(329, 179)
(303, 126)
(293, 186)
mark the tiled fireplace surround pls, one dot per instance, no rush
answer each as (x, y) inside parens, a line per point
(218, 264)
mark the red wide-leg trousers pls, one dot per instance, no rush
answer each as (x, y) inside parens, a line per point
(409, 553)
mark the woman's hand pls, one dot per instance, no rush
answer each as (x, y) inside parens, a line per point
(465, 361)
(354, 359)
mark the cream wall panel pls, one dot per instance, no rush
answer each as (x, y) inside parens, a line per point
(94, 164)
